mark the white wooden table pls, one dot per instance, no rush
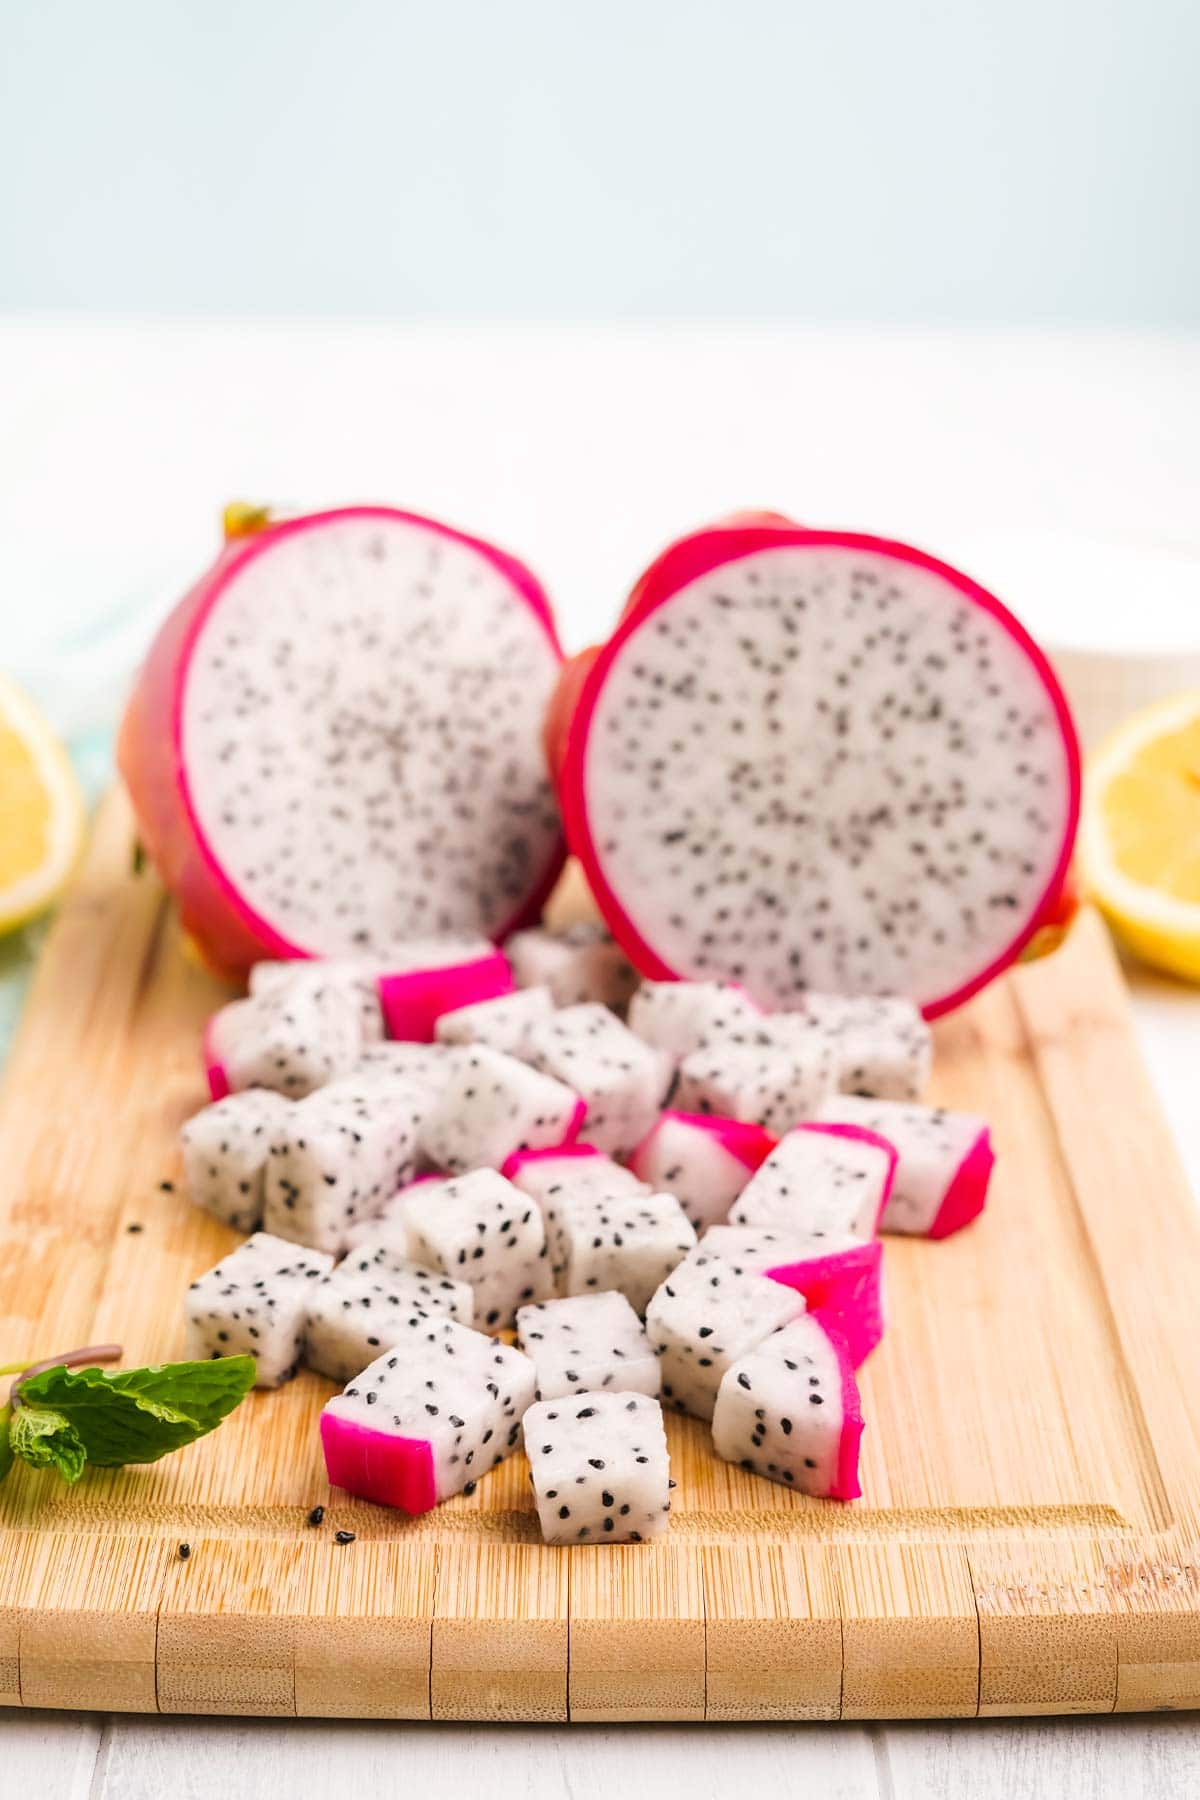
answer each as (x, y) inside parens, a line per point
(583, 450)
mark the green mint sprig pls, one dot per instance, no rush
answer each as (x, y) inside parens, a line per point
(64, 1418)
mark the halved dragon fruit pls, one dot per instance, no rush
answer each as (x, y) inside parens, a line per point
(842, 1279)
(502, 1024)
(818, 760)
(225, 1148)
(944, 1162)
(493, 1106)
(599, 1467)
(703, 1160)
(790, 1410)
(623, 1080)
(821, 1184)
(292, 1041)
(421, 1424)
(334, 743)
(426, 979)
(578, 964)
(682, 1016)
(587, 1342)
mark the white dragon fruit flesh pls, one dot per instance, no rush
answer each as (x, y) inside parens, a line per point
(682, 1016)
(772, 1085)
(578, 964)
(881, 1046)
(386, 1232)
(225, 1149)
(338, 1156)
(426, 1066)
(600, 1469)
(821, 1184)
(590, 1341)
(360, 979)
(425, 1422)
(705, 1161)
(623, 1080)
(293, 1041)
(629, 1243)
(944, 1162)
(371, 1303)
(429, 977)
(568, 1174)
(502, 1024)
(706, 1314)
(494, 1105)
(818, 760)
(335, 742)
(789, 1409)
(843, 1280)
(480, 1229)
(253, 1304)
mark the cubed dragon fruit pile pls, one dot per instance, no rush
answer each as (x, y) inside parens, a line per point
(519, 1188)
(672, 1197)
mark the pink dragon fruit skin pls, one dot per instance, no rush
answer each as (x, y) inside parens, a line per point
(732, 1150)
(843, 1284)
(227, 929)
(214, 1067)
(414, 999)
(967, 1193)
(392, 1471)
(689, 561)
(944, 1162)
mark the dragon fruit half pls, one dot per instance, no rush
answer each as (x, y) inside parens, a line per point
(334, 743)
(817, 760)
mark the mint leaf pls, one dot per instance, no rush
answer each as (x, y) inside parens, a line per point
(135, 1415)
(47, 1439)
(6, 1455)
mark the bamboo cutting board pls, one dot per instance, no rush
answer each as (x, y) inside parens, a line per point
(1028, 1536)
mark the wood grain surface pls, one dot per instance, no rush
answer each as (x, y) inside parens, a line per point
(1026, 1542)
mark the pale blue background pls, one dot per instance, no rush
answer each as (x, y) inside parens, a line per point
(1007, 161)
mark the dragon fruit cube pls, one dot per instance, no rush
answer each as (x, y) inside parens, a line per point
(843, 1279)
(680, 1017)
(426, 1066)
(704, 1161)
(774, 1085)
(426, 1421)
(883, 1047)
(338, 1156)
(706, 1314)
(359, 979)
(225, 1148)
(789, 1409)
(503, 1024)
(372, 1303)
(629, 1243)
(292, 1041)
(579, 964)
(480, 1229)
(253, 1304)
(821, 1183)
(592, 1341)
(432, 976)
(944, 1162)
(568, 1173)
(494, 1105)
(623, 1080)
(600, 1469)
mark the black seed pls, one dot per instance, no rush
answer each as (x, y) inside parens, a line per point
(316, 1515)
(343, 1537)
(185, 1550)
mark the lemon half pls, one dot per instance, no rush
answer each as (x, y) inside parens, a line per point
(42, 812)
(1139, 841)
